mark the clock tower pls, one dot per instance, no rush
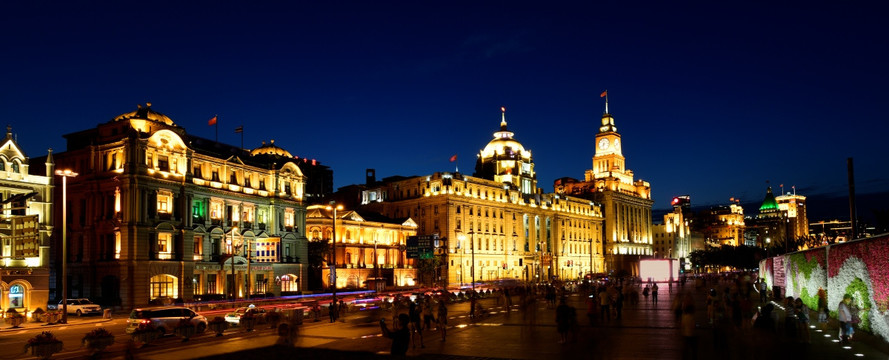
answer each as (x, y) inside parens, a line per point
(608, 157)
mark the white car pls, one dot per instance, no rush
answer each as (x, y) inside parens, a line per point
(81, 307)
(234, 317)
(165, 319)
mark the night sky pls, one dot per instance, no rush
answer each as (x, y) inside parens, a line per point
(712, 100)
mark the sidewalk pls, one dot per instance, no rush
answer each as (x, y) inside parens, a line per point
(72, 321)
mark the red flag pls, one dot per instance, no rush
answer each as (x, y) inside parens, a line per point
(239, 129)
(212, 121)
(454, 158)
(604, 93)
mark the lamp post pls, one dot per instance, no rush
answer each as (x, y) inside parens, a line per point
(65, 174)
(461, 250)
(472, 248)
(333, 206)
(591, 258)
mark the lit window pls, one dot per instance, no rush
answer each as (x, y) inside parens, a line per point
(164, 246)
(198, 247)
(163, 286)
(288, 217)
(216, 210)
(164, 203)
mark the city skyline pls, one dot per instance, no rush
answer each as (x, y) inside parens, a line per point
(712, 101)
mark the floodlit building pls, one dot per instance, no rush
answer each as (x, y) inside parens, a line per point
(795, 207)
(498, 218)
(25, 227)
(368, 246)
(672, 238)
(156, 215)
(626, 202)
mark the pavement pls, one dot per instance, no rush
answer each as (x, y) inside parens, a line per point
(647, 330)
(42, 326)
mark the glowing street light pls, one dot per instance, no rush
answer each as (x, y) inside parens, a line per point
(334, 206)
(65, 174)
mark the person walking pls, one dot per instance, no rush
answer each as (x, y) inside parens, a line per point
(442, 319)
(654, 293)
(844, 316)
(763, 291)
(687, 328)
(604, 304)
(802, 317)
(563, 320)
(416, 324)
(331, 310)
(400, 336)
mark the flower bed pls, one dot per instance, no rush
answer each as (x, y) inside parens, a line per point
(43, 345)
(97, 340)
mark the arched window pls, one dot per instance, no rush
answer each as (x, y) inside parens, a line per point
(16, 296)
(289, 283)
(15, 166)
(163, 285)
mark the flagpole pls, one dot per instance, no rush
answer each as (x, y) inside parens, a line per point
(242, 137)
(216, 124)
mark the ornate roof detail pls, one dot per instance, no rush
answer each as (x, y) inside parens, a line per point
(145, 113)
(270, 149)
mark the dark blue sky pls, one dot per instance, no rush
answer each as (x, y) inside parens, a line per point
(712, 100)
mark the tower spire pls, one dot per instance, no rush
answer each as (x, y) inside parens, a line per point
(503, 118)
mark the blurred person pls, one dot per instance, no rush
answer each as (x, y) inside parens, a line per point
(401, 336)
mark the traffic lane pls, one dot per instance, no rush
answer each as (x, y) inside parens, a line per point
(12, 344)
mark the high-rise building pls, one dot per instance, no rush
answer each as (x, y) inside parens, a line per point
(498, 217)
(795, 207)
(157, 215)
(26, 221)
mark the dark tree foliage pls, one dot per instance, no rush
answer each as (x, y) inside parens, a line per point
(318, 251)
(738, 257)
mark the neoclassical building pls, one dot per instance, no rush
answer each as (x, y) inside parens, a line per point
(499, 217)
(25, 227)
(368, 246)
(626, 202)
(158, 214)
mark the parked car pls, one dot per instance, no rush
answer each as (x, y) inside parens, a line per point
(165, 319)
(234, 317)
(81, 307)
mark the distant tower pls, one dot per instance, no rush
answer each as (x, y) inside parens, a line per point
(506, 161)
(370, 176)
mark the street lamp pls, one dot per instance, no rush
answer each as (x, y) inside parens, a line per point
(472, 248)
(65, 174)
(591, 258)
(333, 206)
(461, 250)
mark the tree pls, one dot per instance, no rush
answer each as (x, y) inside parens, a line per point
(427, 269)
(318, 252)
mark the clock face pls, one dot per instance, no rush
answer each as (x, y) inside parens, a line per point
(617, 144)
(603, 144)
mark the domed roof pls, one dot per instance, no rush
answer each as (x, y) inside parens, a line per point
(503, 139)
(769, 204)
(145, 113)
(270, 149)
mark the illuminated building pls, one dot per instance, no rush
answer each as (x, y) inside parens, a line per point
(368, 245)
(771, 224)
(795, 207)
(672, 238)
(723, 225)
(499, 217)
(626, 202)
(25, 226)
(157, 214)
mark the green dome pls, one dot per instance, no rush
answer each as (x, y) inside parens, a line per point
(769, 204)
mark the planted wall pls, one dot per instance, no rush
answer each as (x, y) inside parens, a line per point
(859, 268)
